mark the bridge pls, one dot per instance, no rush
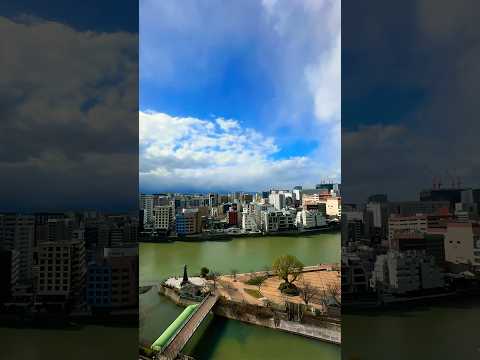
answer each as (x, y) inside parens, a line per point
(175, 338)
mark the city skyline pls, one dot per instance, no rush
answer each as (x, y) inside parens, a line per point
(236, 103)
(199, 192)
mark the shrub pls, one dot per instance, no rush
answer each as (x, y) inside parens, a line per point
(204, 271)
(288, 289)
(256, 280)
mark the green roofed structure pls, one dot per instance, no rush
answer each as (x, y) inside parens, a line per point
(170, 331)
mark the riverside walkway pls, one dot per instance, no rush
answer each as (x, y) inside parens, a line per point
(176, 343)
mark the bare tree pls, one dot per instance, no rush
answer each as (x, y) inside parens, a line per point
(234, 273)
(308, 291)
(214, 275)
(333, 291)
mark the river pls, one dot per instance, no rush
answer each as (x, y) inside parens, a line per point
(219, 338)
(88, 342)
(445, 330)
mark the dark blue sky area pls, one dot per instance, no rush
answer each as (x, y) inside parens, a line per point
(107, 16)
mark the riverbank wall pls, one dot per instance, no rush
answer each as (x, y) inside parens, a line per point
(174, 296)
(231, 236)
(328, 332)
(264, 316)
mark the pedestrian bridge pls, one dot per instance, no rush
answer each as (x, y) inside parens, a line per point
(173, 339)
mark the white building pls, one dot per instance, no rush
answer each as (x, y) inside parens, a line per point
(277, 199)
(249, 222)
(401, 272)
(462, 243)
(309, 219)
(146, 204)
(333, 206)
(297, 194)
(163, 217)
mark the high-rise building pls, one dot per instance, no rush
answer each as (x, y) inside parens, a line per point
(249, 222)
(213, 199)
(9, 262)
(17, 232)
(123, 262)
(60, 271)
(187, 222)
(232, 217)
(163, 217)
(277, 199)
(99, 284)
(146, 204)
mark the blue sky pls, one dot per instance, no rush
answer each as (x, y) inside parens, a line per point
(269, 68)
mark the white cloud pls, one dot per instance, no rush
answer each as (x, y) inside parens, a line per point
(227, 125)
(185, 153)
(319, 46)
(324, 81)
(300, 28)
(295, 44)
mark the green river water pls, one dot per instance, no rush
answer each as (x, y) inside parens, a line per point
(446, 330)
(86, 343)
(220, 338)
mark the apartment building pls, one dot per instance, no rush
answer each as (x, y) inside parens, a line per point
(60, 271)
(9, 262)
(163, 217)
(99, 284)
(273, 221)
(308, 219)
(249, 222)
(123, 264)
(462, 243)
(402, 272)
(17, 232)
(188, 222)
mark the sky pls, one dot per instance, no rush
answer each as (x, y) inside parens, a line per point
(239, 95)
(410, 97)
(69, 106)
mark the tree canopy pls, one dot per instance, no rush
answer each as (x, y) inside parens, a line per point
(288, 268)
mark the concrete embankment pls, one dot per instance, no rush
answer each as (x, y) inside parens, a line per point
(328, 332)
(228, 236)
(263, 316)
(173, 295)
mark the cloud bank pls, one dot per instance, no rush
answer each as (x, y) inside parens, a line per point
(190, 154)
(68, 101)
